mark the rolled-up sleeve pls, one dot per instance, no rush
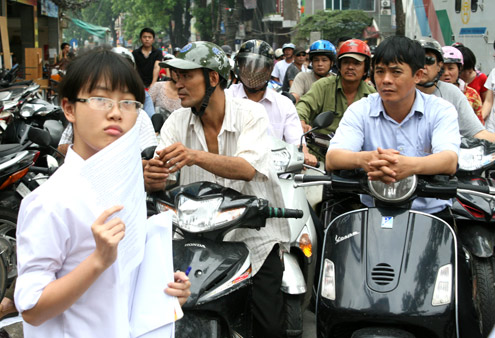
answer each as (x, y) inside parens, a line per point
(446, 135)
(41, 247)
(350, 133)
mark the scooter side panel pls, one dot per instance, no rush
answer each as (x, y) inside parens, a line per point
(209, 263)
(386, 263)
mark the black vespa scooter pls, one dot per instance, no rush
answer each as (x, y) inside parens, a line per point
(219, 271)
(389, 271)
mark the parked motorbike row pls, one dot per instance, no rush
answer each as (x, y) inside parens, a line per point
(30, 129)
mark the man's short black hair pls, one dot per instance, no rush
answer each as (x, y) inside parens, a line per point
(400, 49)
(342, 39)
(468, 56)
(87, 70)
(62, 46)
(147, 30)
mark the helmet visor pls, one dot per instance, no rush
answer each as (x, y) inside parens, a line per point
(253, 70)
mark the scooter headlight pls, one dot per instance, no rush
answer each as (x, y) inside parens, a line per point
(328, 280)
(199, 215)
(280, 160)
(396, 192)
(443, 286)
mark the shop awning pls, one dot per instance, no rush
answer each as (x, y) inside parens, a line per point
(92, 29)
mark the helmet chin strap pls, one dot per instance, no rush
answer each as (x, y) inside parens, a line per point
(208, 92)
(430, 84)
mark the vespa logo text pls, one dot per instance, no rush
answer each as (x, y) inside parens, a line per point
(195, 245)
(339, 239)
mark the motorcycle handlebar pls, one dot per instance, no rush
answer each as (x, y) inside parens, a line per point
(471, 187)
(301, 178)
(42, 170)
(284, 213)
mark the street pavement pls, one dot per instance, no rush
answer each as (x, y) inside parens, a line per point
(15, 330)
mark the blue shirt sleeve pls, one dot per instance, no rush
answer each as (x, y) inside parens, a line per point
(350, 133)
(148, 105)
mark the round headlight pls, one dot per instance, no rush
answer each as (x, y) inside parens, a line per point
(396, 192)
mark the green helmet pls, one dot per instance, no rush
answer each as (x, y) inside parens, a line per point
(201, 54)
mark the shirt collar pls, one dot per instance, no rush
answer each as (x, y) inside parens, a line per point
(228, 120)
(269, 94)
(418, 107)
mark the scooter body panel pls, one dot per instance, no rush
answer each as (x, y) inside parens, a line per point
(210, 264)
(386, 263)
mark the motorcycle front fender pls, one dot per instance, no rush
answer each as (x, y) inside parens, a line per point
(293, 282)
(478, 239)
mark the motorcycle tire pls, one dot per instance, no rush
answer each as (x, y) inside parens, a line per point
(293, 316)
(484, 277)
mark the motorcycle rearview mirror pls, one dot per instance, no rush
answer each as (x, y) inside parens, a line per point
(157, 120)
(39, 136)
(321, 121)
(148, 153)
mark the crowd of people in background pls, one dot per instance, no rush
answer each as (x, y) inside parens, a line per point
(323, 76)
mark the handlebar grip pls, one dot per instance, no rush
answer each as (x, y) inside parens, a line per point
(300, 178)
(479, 188)
(285, 213)
(42, 170)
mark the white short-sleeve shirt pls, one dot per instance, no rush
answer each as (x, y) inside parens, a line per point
(53, 237)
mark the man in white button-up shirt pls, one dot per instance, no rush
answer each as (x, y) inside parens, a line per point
(253, 64)
(223, 140)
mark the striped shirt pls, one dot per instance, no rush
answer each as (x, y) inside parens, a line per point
(243, 134)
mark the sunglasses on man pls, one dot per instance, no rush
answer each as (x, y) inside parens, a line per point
(430, 60)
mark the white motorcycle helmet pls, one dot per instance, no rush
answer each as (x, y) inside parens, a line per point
(122, 51)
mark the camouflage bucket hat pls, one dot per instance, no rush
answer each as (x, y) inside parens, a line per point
(201, 54)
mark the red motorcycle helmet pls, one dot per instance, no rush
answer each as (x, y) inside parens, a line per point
(359, 50)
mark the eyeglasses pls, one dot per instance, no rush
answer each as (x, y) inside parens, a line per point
(106, 104)
(430, 60)
(301, 54)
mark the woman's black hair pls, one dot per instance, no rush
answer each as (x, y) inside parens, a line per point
(400, 49)
(86, 71)
(468, 56)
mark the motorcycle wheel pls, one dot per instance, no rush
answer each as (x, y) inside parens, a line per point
(484, 276)
(293, 315)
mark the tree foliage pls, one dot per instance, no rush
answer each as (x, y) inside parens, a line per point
(98, 13)
(170, 19)
(333, 24)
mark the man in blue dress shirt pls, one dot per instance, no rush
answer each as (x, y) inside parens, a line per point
(399, 131)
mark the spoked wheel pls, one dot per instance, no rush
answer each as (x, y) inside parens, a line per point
(484, 282)
(293, 315)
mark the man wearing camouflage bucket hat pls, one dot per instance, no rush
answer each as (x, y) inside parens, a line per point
(222, 139)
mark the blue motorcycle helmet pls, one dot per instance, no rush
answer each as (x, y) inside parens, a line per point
(322, 47)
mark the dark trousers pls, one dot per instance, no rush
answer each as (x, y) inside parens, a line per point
(268, 300)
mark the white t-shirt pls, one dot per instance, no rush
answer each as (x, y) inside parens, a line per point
(280, 69)
(490, 85)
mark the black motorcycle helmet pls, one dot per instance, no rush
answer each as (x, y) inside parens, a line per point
(254, 64)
